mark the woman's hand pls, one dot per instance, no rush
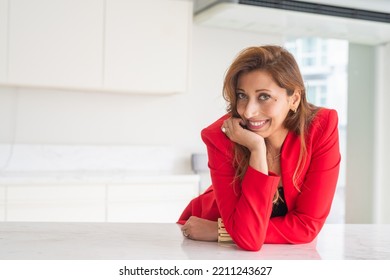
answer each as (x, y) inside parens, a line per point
(233, 129)
(200, 229)
(251, 140)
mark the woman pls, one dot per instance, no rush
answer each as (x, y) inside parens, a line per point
(274, 158)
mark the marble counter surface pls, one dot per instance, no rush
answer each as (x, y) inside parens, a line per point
(142, 241)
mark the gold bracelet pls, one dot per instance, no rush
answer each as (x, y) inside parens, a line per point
(223, 235)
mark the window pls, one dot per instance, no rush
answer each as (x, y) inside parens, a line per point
(324, 64)
(317, 93)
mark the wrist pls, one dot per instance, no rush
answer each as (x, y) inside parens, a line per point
(258, 161)
(258, 147)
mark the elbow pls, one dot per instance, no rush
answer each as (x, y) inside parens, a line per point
(249, 243)
(249, 238)
(252, 247)
(308, 238)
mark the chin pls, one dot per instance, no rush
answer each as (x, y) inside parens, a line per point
(263, 134)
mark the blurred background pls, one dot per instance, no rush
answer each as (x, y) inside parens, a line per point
(102, 101)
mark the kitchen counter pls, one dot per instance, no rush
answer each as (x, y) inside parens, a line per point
(145, 241)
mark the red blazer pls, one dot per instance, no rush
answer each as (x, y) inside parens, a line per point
(246, 206)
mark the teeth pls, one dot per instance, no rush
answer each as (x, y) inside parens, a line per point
(257, 123)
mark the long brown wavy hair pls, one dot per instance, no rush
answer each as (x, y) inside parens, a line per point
(284, 70)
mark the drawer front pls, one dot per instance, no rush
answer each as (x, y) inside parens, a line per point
(56, 203)
(149, 202)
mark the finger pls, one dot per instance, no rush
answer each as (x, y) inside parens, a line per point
(233, 127)
(237, 123)
(225, 126)
(229, 124)
(185, 234)
(184, 231)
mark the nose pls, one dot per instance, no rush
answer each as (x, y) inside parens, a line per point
(251, 109)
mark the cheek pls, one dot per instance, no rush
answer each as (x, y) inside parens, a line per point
(275, 113)
(240, 108)
(278, 114)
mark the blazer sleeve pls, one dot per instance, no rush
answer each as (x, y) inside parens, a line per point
(312, 205)
(244, 207)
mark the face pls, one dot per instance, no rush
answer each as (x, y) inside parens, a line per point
(263, 105)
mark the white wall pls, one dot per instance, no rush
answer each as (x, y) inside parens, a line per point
(39, 116)
(382, 134)
(368, 186)
(360, 134)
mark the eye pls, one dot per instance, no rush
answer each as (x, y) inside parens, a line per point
(240, 95)
(264, 97)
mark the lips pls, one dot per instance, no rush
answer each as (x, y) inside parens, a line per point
(256, 125)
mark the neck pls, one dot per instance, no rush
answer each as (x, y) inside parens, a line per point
(275, 141)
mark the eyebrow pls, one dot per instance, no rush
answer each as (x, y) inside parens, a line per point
(257, 90)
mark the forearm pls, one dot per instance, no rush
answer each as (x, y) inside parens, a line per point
(246, 214)
(258, 161)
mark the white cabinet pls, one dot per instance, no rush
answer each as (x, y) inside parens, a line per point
(106, 45)
(147, 45)
(159, 199)
(2, 203)
(93, 184)
(149, 202)
(56, 43)
(56, 203)
(3, 40)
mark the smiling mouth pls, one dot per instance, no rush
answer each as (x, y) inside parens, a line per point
(256, 125)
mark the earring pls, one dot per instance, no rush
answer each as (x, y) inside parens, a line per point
(294, 110)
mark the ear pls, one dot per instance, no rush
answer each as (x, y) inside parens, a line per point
(295, 100)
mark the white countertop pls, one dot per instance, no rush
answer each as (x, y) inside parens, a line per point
(120, 241)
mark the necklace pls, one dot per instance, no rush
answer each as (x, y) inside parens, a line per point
(273, 158)
(273, 162)
(273, 154)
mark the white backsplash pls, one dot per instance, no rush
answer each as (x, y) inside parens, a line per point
(25, 163)
(22, 157)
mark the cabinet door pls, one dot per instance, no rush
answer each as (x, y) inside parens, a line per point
(149, 202)
(56, 203)
(147, 45)
(56, 43)
(3, 40)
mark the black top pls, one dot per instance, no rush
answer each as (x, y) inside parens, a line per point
(279, 208)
